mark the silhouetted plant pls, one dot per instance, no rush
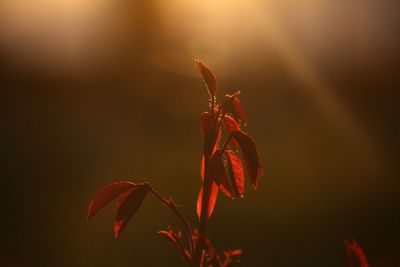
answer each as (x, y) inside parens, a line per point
(222, 169)
(223, 164)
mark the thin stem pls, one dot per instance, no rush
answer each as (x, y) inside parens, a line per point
(198, 253)
(212, 103)
(171, 205)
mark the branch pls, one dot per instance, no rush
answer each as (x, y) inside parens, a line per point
(170, 204)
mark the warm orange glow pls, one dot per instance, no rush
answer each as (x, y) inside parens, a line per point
(61, 35)
(95, 91)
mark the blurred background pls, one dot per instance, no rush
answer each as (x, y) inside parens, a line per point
(99, 91)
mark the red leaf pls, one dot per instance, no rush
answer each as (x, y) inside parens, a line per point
(205, 122)
(246, 143)
(239, 110)
(212, 137)
(230, 126)
(354, 249)
(127, 205)
(250, 156)
(233, 105)
(211, 204)
(169, 236)
(209, 77)
(253, 169)
(235, 252)
(236, 172)
(105, 195)
(218, 173)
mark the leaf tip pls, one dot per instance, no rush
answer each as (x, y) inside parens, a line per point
(90, 213)
(255, 184)
(209, 77)
(118, 228)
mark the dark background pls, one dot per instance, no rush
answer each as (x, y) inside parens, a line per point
(99, 91)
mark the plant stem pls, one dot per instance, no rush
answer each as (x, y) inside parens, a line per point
(198, 253)
(172, 206)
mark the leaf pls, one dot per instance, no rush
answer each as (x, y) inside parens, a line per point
(169, 236)
(209, 77)
(211, 204)
(239, 110)
(235, 252)
(233, 106)
(105, 195)
(212, 137)
(354, 249)
(246, 143)
(253, 169)
(231, 125)
(205, 122)
(218, 173)
(127, 205)
(236, 172)
(250, 156)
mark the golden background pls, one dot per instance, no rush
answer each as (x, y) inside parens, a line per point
(100, 91)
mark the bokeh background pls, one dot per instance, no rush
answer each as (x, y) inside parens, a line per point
(98, 91)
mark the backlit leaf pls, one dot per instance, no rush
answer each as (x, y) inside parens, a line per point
(205, 122)
(212, 137)
(219, 175)
(253, 169)
(236, 172)
(246, 143)
(127, 205)
(213, 200)
(239, 110)
(233, 106)
(209, 77)
(235, 252)
(250, 156)
(105, 195)
(169, 236)
(231, 125)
